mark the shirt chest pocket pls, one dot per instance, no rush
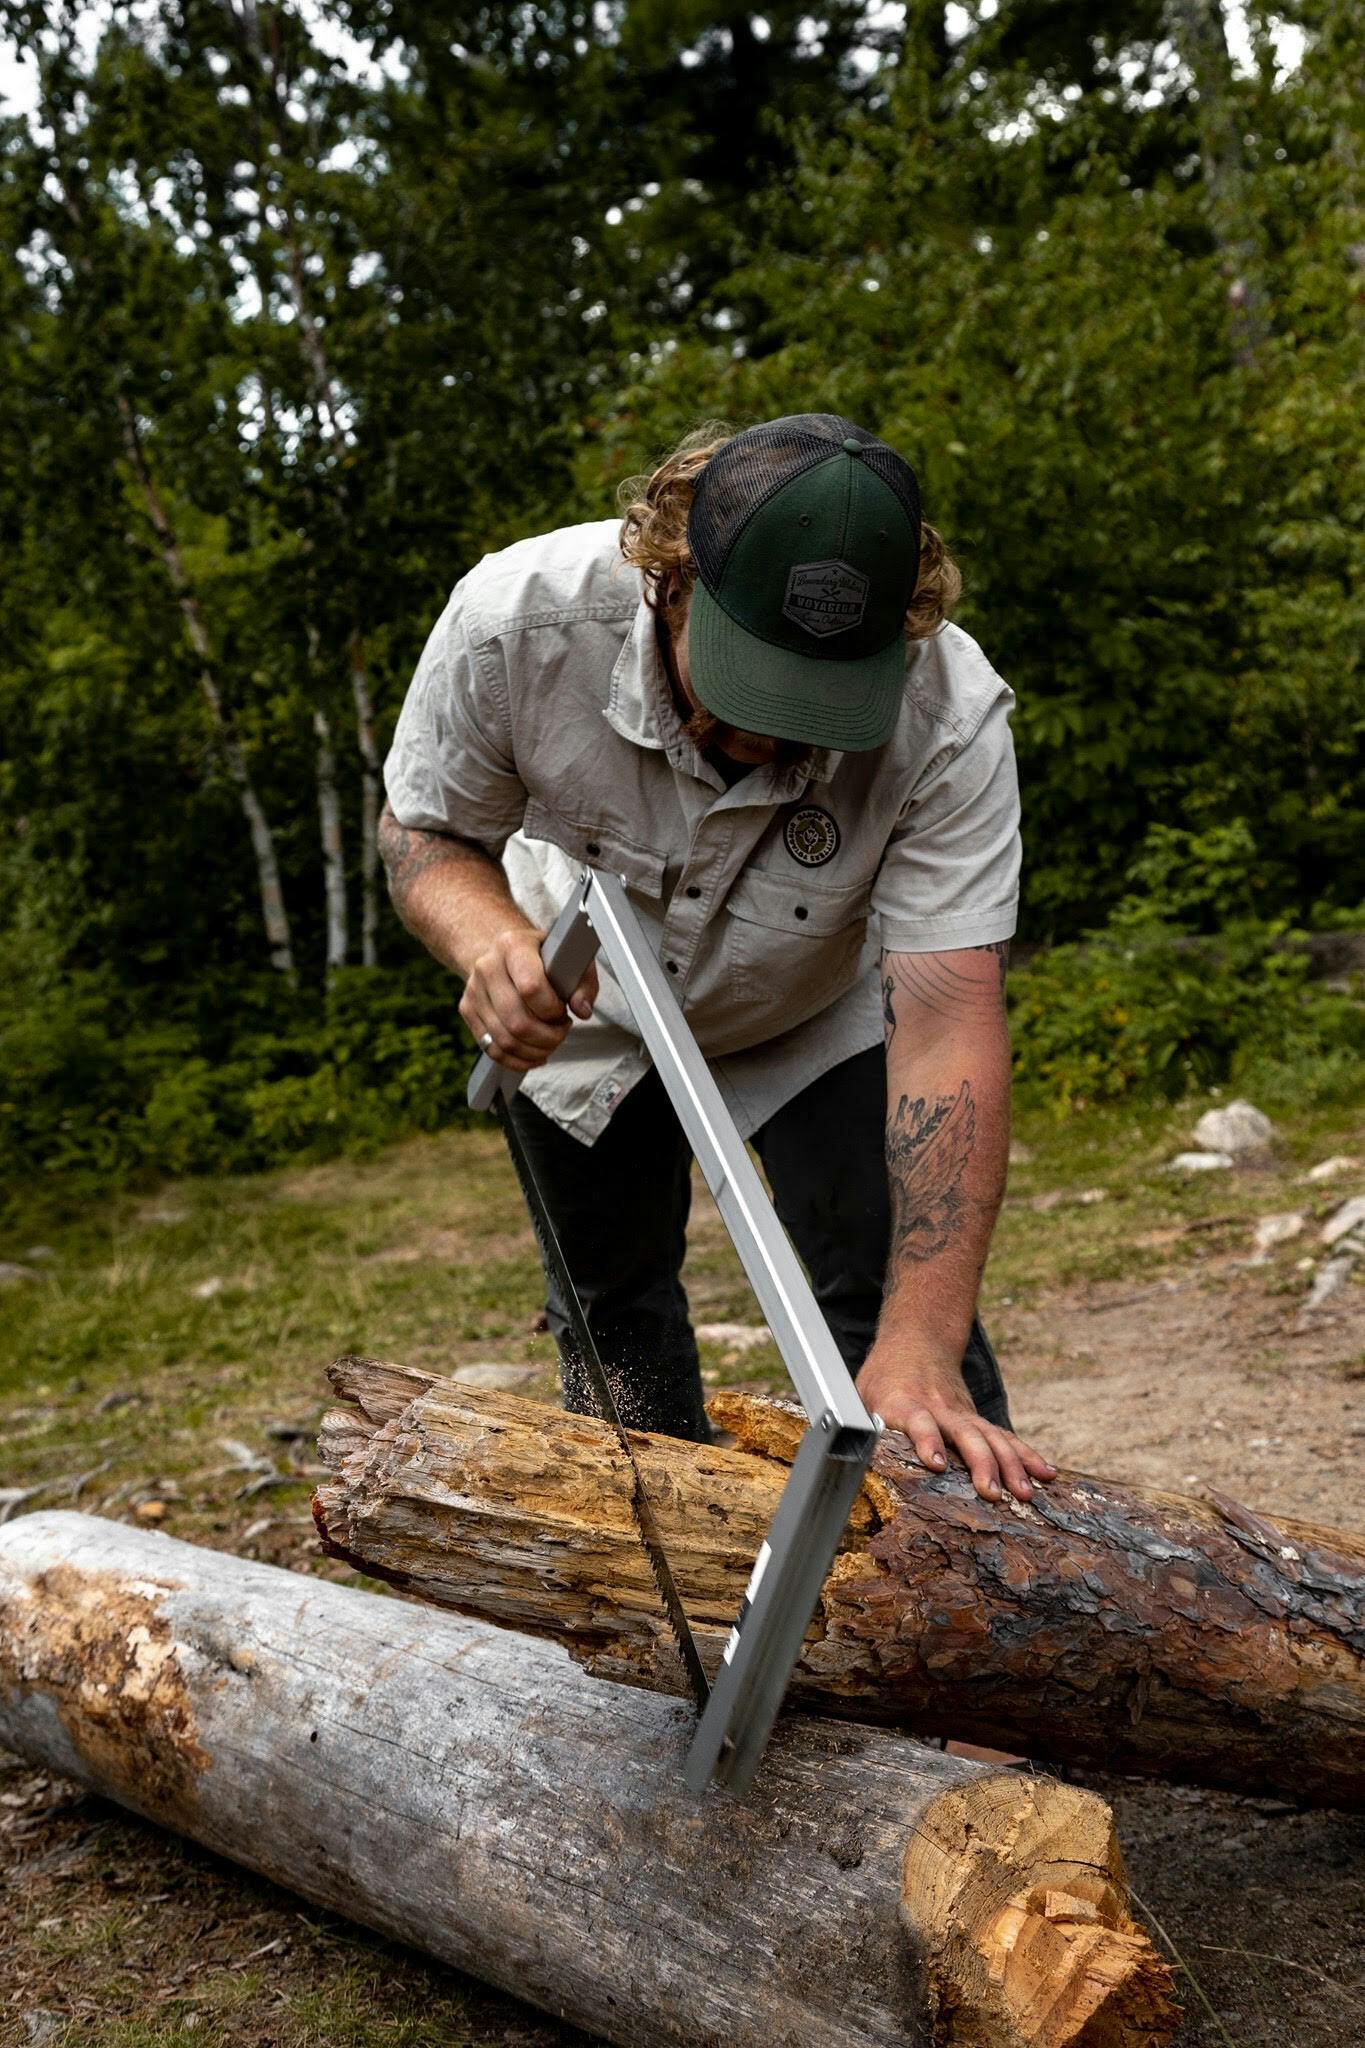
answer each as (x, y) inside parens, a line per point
(597, 845)
(794, 943)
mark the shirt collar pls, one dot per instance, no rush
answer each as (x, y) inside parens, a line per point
(640, 707)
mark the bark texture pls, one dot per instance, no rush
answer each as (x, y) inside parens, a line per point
(1101, 1624)
(471, 1792)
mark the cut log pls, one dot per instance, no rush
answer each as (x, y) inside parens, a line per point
(1101, 1624)
(471, 1792)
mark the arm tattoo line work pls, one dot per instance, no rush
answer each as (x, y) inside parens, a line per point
(408, 852)
(934, 982)
(927, 1154)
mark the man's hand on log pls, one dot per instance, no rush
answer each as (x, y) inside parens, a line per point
(508, 999)
(933, 1408)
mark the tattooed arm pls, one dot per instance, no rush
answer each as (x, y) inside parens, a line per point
(947, 1144)
(453, 897)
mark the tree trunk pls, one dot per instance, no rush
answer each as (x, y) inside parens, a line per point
(369, 803)
(273, 913)
(1199, 33)
(333, 849)
(468, 1791)
(1101, 1624)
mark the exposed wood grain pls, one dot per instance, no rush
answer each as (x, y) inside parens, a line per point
(1103, 1623)
(472, 1792)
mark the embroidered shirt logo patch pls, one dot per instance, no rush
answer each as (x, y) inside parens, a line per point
(811, 836)
(825, 597)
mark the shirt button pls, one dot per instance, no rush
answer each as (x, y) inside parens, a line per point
(672, 966)
(692, 890)
(593, 847)
(801, 911)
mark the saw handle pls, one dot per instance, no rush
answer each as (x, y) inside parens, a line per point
(569, 950)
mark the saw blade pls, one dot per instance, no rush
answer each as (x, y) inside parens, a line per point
(646, 1526)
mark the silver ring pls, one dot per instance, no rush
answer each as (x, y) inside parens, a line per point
(487, 1041)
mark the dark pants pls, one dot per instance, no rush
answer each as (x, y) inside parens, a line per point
(620, 1210)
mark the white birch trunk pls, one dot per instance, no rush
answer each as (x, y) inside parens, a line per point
(273, 912)
(369, 804)
(333, 849)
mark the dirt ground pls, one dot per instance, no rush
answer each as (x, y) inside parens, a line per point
(1138, 1342)
(1199, 1381)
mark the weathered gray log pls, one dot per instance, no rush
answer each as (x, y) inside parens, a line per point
(472, 1792)
(1103, 1623)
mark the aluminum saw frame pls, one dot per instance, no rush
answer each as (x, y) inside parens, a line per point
(794, 1559)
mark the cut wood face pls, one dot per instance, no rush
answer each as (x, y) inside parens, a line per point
(1098, 1623)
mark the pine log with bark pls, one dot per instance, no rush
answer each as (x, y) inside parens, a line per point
(467, 1790)
(1102, 1624)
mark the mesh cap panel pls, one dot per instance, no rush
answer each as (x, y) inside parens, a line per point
(756, 464)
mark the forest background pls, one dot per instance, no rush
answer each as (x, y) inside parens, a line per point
(305, 308)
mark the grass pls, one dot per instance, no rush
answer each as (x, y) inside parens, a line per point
(168, 1325)
(167, 1365)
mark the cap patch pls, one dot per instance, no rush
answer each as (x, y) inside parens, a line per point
(811, 836)
(825, 598)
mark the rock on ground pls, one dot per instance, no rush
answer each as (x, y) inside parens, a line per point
(1237, 1127)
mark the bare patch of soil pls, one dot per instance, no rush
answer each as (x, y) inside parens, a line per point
(1194, 1381)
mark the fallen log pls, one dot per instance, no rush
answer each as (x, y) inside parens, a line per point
(471, 1792)
(1103, 1624)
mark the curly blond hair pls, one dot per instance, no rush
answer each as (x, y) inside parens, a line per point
(654, 513)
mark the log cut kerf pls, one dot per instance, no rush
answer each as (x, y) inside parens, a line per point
(1101, 1624)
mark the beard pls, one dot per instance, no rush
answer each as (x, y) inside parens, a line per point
(760, 749)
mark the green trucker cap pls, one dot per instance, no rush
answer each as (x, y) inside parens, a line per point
(806, 534)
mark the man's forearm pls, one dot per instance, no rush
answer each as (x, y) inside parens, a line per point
(449, 893)
(947, 1142)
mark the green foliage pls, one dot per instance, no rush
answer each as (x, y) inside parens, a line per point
(94, 1099)
(289, 343)
(1151, 1006)
(1144, 1012)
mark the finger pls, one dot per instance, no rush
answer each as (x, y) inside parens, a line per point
(491, 1036)
(529, 1035)
(919, 1425)
(1009, 1459)
(585, 995)
(1035, 1463)
(967, 1439)
(526, 972)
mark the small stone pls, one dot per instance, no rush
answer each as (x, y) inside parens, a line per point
(120, 1397)
(1333, 1168)
(1327, 1281)
(150, 1511)
(14, 1276)
(1020, 1153)
(1346, 1219)
(1240, 1127)
(204, 1290)
(42, 2027)
(496, 1377)
(1278, 1229)
(41, 1252)
(1199, 1162)
(1088, 1196)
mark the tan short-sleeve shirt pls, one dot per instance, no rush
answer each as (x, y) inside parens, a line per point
(541, 725)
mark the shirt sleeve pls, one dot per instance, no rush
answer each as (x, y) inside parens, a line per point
(451, 766)
(950, 875)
